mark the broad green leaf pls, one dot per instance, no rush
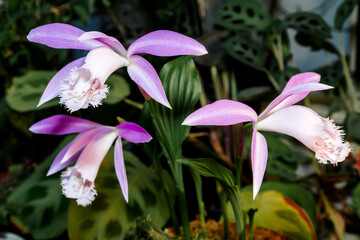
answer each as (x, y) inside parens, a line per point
(356, 198)
(279, 168)
(309, 23)
(109, 216)
(25, 92)
(343, 12)
(246, 50)
(279, 213)
(276, 36)
(292, 190)
(352, 126)
(315, 42)
(280, 148)
(182, 87)
(243, 15)
(208, 167)
(331, 74)
(41, 208)
(118, 89)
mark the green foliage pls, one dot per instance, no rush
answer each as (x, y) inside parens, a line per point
(278, 213)
(315, 42)
(118, 89)
(292, 190)
(352, 126)
(356, 199)
(182, 87)
(308, 22)
(331, 74)
(343, 12)
(246, 51)
(243, 15)
(208, 167)
(109, 216)
(25, 91)
(40, 208)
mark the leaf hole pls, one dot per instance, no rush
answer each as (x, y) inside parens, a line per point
(250, 12)
(314, 22)
(225, 17)
(237, 9)
(244, 46)
(300, 19)
(238, 21)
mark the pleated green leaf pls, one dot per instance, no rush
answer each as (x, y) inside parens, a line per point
(309, 23)
(182, 87)
(118, 89)
(343, 12)
(243, 15)
(208, 167)
(109, 216)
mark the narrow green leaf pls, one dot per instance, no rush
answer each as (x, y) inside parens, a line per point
(243, 15)
(41, 208)
(208, 167)
(343, 12)
(246, 51)
(308, 22)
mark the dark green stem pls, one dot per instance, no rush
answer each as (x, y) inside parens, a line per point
(223, 201)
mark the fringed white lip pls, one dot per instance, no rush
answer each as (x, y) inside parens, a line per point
(85, 85)
(75, 186)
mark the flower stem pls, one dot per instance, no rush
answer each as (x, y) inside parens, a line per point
(272, 80)
(347, 75)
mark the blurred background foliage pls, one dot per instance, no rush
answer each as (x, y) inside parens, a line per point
(253, 47)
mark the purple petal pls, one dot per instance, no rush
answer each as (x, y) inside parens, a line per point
(83, 139)
(120, 169)
(57, 165)
(133, 132)
(166, 43)
(302, 78)
(52, 89)
(108, 40)
(144, 75)
(60, 35)
(221, 113)
(296, 121)
(93, 154)
(259, 155)
(62, 124)
(291, 97)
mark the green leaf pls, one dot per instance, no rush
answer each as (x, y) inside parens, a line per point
(352, 126)
(182, 87)
(343, 12)
(331, 74)
(109, 216)
(25, 92)
(309, 23)
(118, 89)
(208, 167)
(356, 198)
(243, 15)
(315, 42)
(292, 190)
(278, 213)
(41, 208)
(246, 51)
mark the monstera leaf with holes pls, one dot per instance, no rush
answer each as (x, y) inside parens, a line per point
(243, 15)
(41, 208)
(309, 23)
(246, 50)
(109, 216)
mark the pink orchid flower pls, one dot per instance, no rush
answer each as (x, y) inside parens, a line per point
(82, 82)
(89, 149)
(319, 134)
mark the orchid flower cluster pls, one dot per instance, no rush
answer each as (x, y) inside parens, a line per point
(82, 83)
